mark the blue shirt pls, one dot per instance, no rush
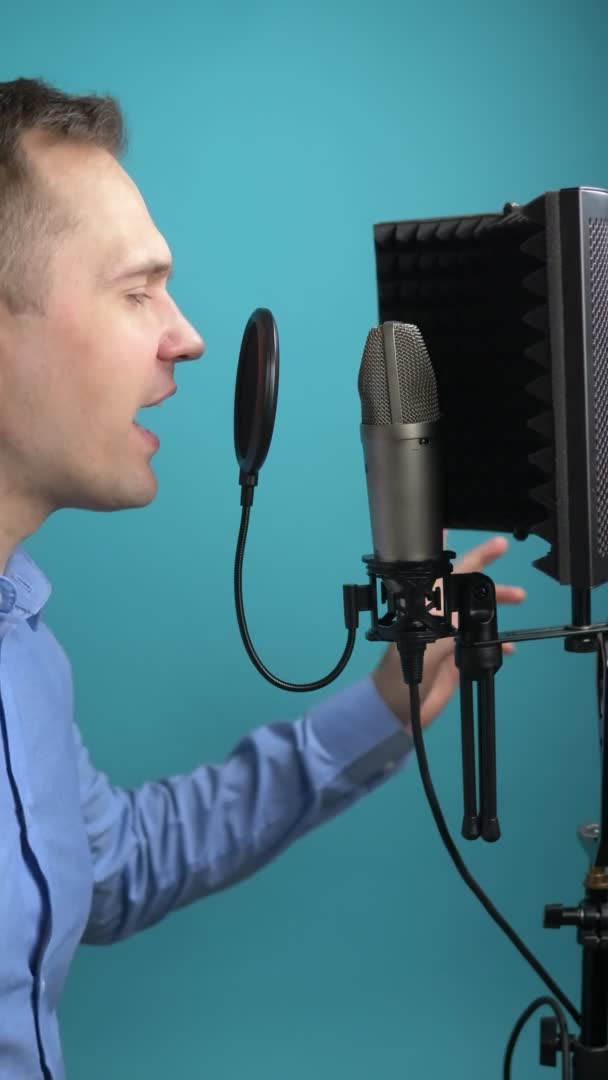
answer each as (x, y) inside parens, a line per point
(83, 860)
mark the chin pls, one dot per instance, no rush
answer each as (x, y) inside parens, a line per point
(141, 496)
(122, 495)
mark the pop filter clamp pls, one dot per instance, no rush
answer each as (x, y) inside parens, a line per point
(409, 621)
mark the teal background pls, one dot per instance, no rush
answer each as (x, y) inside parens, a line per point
(268, 139)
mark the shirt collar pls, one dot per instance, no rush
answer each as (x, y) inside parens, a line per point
(24, 589)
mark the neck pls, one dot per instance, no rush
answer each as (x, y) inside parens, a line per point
(18, 520)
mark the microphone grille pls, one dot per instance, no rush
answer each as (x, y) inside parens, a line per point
(416, 379)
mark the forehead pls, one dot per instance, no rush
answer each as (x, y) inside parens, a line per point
(111, 216)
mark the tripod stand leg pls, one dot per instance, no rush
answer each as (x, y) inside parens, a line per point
(470, 820)
(486, 712)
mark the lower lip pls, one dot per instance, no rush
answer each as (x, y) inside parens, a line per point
(152, 439)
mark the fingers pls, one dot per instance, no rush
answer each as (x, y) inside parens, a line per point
(510, 594)
(481, 556)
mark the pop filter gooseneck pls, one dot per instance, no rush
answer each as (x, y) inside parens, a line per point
(255, 404)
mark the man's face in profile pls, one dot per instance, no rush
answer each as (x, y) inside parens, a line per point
(73, 376)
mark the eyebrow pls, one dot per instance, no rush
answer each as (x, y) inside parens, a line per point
(149, 268)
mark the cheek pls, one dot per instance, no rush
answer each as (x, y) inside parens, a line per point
(76, 335)
(107, 350)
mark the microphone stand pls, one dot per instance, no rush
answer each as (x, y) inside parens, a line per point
(411, 595)
(590, 1050)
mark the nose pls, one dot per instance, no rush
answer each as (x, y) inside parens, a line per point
(181, 341)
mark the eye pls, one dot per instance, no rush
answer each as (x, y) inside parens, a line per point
(138, 298)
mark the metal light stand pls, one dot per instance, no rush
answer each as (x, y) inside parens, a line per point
(411, 595)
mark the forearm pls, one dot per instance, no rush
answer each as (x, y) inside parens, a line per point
(183, 838)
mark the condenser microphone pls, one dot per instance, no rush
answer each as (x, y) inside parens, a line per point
(400, 435)
(400, 432)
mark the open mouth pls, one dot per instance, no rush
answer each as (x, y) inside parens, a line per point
(152, 439)
(150, 435)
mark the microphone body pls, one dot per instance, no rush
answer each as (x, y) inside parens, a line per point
(403, 474)
(402, 452)
(401, 447)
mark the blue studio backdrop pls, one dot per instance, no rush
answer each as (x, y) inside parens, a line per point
(267, 139)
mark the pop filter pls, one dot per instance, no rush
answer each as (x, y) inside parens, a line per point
(255, 395)
(255, 406)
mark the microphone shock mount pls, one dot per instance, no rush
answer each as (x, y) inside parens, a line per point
(421, 598)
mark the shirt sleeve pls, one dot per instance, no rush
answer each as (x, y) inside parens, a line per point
(172, 841)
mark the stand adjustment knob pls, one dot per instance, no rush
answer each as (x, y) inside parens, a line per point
(549, 1041)
(554, 916)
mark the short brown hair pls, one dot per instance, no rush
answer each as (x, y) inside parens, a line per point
(29, 214)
